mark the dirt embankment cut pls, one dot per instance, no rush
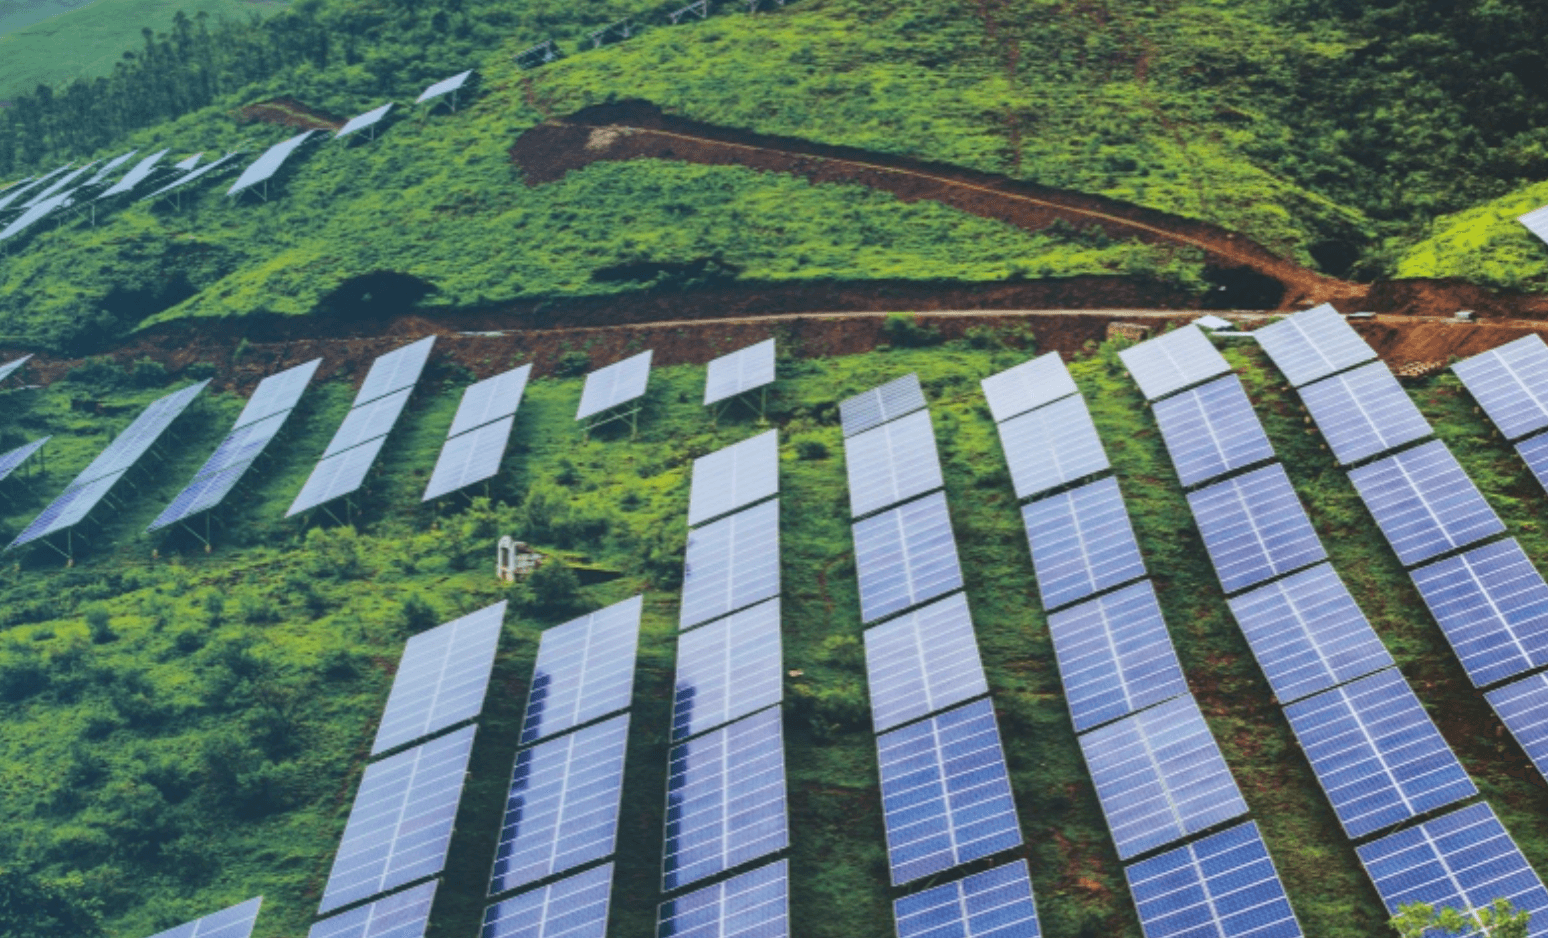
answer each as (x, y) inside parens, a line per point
(288, 112)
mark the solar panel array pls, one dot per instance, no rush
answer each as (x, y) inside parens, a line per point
(562, 807)
(363, 121)
(733, 477)
(731, 563)
(441, 679)
(1424, 502)
(1173, 361)
(1027, 386)
(1051, 446)
(996, 903)
(725, 800)
(136, 175)
(1462, 860)
(1492, 605)
(880, 404)
(1160, 777)
(14, 459)
(892, 463)
(573, 907)
(1523, 708)
(28, 185)
(101, 174)
(584, 670)
(403, 914)
(905, 556)
(1223, 886)
(191, 176)
(755, 904)
(264, 168)
(234, 922)
(1082, 543)
(946, 796)
(1211, 430)
(1377, 753)
(923, 662)
(1254, 527)
(1364, 412)
(57, 186)
(13, 366)
(1115, 656)
(618, 383)
(1510, 383)
(1313, 344)
(727, 670)
(479, 433)
(34, 215)
(741, 371)
(1307, 634)
(401, 823)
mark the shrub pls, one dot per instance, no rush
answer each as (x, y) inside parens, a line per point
(811, 450)
(555, 588)
(148, 373)
(416, 614)
(572, 364)
(99, 622)
(904, 331)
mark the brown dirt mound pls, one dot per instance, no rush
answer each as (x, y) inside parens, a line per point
(288, 112)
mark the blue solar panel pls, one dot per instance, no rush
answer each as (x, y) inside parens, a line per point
(755, 904)
(725, 800)
(1224, 886)
(1462, 860)
(69, 509)
(1313, 344)
(1364, 412)
(1082, 543)
(730, 564)
(1173, 361)
(1511, 384)
(403, 914)
(1377, 753)
(1492, 604)
(235, 922)
(1029, 385)
(442, 678)
(1212, 430)
(1307, 633)
(727, 670)
(946, 796)
(206, 491)
(996, 903)
(1254, 528)
(1534, 452)
(736, 476)
(1523, 708)
(1115, 656)
(1160, 777)
(1424, 503)
(880, 404)
(891, 463)
(562, 808)
(923, 662)
(584, 670)
(574, 907)
(11, 461)
(1052, 446)
(905, 556)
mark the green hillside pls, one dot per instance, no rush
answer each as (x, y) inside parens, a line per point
(1483, 245)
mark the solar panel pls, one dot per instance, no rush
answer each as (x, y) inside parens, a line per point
(442, 677)
(1307, 633)
(1523, 708)
(206, 491)
(1534, 452)
(584, 670)
(616, 384)
(1536, 221)
(234, 922)
(996, 903)
(574, 907)
(946, 796)
(733, 477)
(57, 186)
(361, 121)
(12, 461)
(1364, 412)
(1212, 430)
(725, 800)
(11, 367)
(68, 510)
(28, 185)
(1254, 527)
(336, 476)
(135, 176)
(1492, 605)
(1313, 344)
(755, 904)
(401, 821)
(244, 444)
(1081, 543)
(190, 162)
(1511, 384)
(1027, 386)
(444, 86)
(490, 399)
(35, 214)
(188, 177)
(1224, 886)
(1377, 753)
(368, 421)
(739, 372)
(1160, 777)
(923, 662)
(880, 404)
(727, 670)
(731, 563)
(905, 556)
(395, 370)
(562, 807)
(1424, 502)
(1462, 860)
(470, 457)
(892, 463)
(1115, 656)
(127, 448)
(1173, 361)
(403, 914)
(277, 393)
(1051, 446)
(108, 167)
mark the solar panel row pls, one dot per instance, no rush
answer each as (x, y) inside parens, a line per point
(1424, 502)
(755, 904)
(923, 662)
(479, 433)
(1115, 656)
(13, 366)
(14, 459)
(996, 903)
(727, 670)
(731, 564)
(573, 907)
(1082, 543)
(880, 404)
(584, 670)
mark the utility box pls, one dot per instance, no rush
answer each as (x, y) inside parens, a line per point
(515, 560)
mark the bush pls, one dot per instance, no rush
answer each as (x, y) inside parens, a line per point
(904, 331)
(148, 373)
(100, 623)
(333, 552)
(811, 450)
(555, 588)
(416, 615)
(572, 365)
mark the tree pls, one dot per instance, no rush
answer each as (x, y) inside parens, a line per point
(1499, 919)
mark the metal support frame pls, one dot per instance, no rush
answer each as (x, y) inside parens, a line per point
(755, 400)
(623, 29)
(627, 412)
(700, 7)
(540, 54)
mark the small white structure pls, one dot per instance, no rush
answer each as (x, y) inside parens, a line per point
(1212, 323)
(515, 560)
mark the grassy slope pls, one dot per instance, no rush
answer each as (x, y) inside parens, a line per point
(50, 43)
(1484, 245)
(115, 784)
